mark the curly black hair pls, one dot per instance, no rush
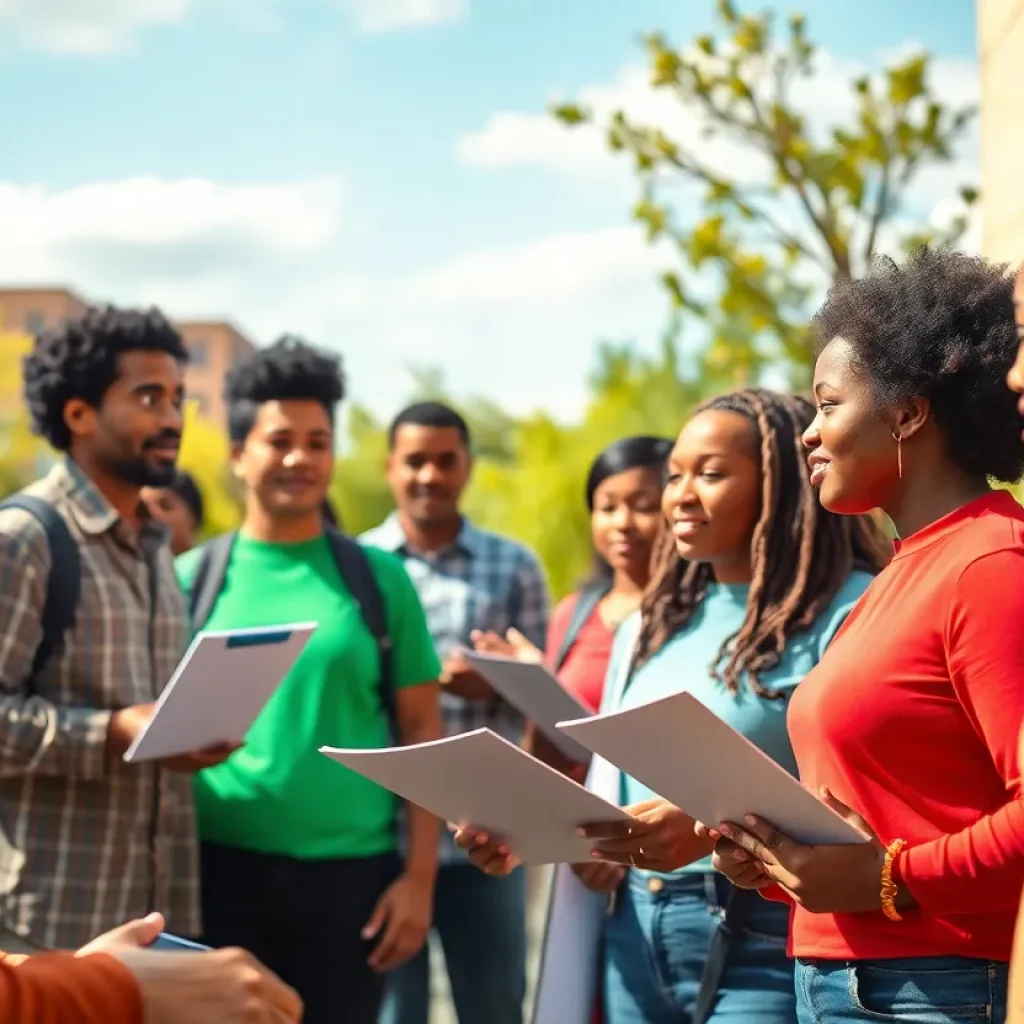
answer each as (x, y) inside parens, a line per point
(939, 327)
(78, 359)
(290, 368)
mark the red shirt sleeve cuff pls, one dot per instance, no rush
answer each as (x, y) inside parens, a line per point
(776, 894)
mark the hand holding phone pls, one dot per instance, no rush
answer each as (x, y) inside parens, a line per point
(173, 944)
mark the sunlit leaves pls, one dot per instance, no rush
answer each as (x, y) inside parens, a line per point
(834, 192)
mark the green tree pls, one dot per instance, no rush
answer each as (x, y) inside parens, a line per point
(827, 199)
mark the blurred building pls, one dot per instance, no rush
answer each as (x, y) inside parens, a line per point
(214, 346)
(1001, 60)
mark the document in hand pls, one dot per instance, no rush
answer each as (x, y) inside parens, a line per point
(687, 754)
(480, 779)
(221, 685)
(534, 692)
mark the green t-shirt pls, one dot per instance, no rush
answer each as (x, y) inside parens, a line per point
(278, 794)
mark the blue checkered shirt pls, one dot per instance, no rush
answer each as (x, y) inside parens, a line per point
(481, 581)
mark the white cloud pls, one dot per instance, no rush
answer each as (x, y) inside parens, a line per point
(145, 228)
(378, 16)
(536, 139)
(560, 268)
(84, 26)
(274, 257)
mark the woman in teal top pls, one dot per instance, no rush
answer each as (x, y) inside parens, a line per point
(751, 580)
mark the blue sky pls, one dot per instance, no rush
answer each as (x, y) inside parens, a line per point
(375, 173)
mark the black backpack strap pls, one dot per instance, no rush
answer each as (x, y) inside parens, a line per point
(208, 580)
(63, 588)
(354, 566)
(589, 598)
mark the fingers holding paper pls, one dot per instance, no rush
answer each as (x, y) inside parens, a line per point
(490, 855)
(658, 836)
(743, 869)
(837, 879)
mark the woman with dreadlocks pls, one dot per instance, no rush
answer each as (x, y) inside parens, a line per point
(912, 718)
(751, 581)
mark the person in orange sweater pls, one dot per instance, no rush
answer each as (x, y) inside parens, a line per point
(116, 980)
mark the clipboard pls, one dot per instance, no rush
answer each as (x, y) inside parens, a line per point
(535, 693)
(218, 689)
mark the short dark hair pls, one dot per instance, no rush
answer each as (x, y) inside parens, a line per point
(290, 368)
(78, 359)
(939, 327)
(639, 452)
(429, 414)
(185, 487)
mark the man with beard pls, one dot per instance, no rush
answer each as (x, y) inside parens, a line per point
(468, 579)
(85, 839)
(299, 854)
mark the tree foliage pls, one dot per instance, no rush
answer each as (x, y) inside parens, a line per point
(800, 203)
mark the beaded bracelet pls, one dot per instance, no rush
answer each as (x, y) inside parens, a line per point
(889, 890)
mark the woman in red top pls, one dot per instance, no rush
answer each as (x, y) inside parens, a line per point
(623, 494)
(912, 717)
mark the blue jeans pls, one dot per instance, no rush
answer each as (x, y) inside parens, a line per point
(481, 922)
(932, 990)
(656, 944)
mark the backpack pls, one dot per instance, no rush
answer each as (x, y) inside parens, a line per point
(64, 587)
(590, 596)
(355, 569)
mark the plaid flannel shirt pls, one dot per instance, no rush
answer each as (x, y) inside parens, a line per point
(481, 581)
(87, 842)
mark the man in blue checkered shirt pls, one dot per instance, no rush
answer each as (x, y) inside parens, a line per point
(467, 579)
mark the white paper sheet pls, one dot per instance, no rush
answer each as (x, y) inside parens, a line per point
(534, 692)
(480, 779)
(570, 961)
(221, 685)
(686, 753)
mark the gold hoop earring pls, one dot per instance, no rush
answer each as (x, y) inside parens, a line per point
(899, 453)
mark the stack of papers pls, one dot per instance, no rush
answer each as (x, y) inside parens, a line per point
(688, 755)
(481, 779)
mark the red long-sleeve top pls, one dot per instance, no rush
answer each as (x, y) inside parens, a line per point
(912, 718)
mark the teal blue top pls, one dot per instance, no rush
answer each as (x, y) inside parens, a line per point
(683, 664)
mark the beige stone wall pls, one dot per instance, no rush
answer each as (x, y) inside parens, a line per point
(1001, 55)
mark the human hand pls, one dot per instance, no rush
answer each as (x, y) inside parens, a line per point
(491, 856)
(836, 879)
(458, 677)
(402, 920)
(197, 760)
(126, 724)
(512, 645)
(600, 877)
(226, 986)
(657, 837)
(139, 933)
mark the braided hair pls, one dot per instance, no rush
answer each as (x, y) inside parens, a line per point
(800, 553)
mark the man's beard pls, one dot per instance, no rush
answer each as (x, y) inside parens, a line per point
(140, 472)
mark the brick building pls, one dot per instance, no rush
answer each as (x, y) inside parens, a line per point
(215, 345)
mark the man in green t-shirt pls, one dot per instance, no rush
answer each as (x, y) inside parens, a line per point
(299, 857)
